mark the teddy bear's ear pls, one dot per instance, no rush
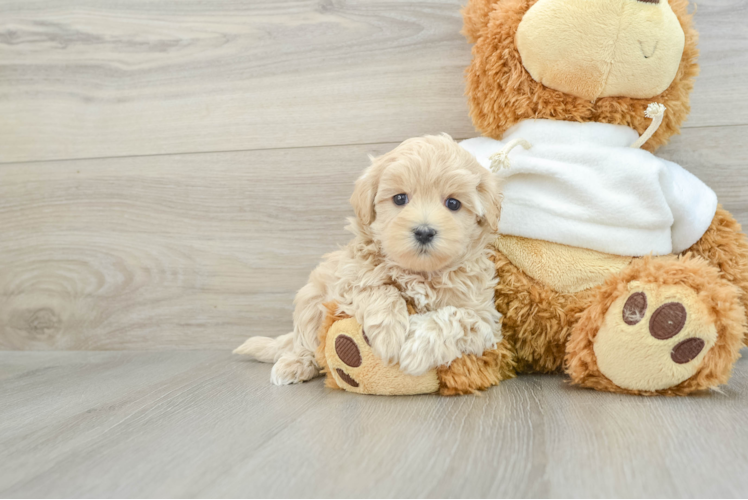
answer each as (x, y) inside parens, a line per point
(475, 18)
(365, 191)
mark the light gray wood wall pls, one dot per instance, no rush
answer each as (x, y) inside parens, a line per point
(171, 171)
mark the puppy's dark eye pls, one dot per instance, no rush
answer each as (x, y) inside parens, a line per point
(453, 204)
(400, 199)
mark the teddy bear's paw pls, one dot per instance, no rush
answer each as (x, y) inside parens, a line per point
(354, 367)
(665, 325)
(654, 337)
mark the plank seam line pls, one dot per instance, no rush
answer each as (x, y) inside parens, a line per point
(247, 150)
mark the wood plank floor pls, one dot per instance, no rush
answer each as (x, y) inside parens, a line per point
(205, 424)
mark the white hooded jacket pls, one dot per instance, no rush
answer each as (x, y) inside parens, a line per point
(581, 184)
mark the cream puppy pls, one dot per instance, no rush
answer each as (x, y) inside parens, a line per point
(425, 214)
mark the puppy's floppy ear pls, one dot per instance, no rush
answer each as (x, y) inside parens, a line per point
(365, 191)
(489, 191)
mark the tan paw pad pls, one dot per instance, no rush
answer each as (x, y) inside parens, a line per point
(654, 337)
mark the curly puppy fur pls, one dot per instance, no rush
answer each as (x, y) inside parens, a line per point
(720, 297)
(501, 92)
(449, 280)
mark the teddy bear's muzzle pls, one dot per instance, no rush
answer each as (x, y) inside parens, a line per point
(633, 51)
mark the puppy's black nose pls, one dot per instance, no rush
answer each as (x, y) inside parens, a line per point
(424, 234)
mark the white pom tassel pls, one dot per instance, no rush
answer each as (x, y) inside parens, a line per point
(656, 112)
(500, 159)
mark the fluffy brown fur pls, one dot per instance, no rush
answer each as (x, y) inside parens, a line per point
(501, 92)
(720, 297)
(471, 373)
(537, 320)
(725, 246)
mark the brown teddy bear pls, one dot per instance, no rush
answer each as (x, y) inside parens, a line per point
(615, 266)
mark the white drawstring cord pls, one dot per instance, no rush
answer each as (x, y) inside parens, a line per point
(500, 159)
(656, 112)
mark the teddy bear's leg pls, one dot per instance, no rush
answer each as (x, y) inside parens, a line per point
(470, 373)
(537, 320)
(667, 325)
(725, 246)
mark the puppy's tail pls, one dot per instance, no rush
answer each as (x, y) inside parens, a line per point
(266, 349)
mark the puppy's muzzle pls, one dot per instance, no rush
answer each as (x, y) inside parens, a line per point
(424, 234)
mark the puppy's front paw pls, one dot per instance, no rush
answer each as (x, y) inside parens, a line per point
(438, 337)
(429, 342)
(386, 333)
(414, 357)
(478, 336)
(386, 341)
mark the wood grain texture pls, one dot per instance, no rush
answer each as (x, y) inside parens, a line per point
(187, 251)
(100, 78)
(719, 157)
(201, 251)
(203, 424)
(719, 96)
(140, 77)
